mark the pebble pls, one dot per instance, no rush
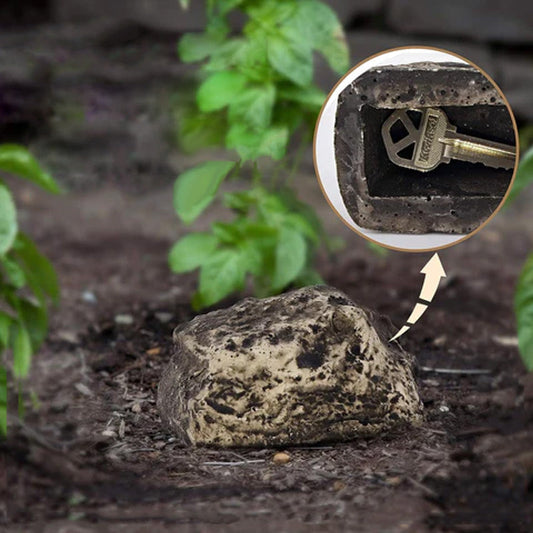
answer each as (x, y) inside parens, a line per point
(164, 318)
(281, 458)
(89, 297)
(338, 485)
(394, 481)
(124, 320)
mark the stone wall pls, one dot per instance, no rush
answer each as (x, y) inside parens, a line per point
(90, 85)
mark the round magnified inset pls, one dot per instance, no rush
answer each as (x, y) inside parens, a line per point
(416, 148)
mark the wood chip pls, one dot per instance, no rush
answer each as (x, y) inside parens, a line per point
(83, 389)
(503, 340)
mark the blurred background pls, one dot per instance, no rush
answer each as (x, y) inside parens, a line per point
(91, 86)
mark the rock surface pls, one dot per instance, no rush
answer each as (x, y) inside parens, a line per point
(305, 367)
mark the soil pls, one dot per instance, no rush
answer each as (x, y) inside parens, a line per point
(91, 454)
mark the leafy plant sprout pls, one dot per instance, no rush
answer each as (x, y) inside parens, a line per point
(28, 283)
(256, 95)
(523, 300)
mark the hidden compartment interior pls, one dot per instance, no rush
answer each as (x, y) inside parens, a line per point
(454, 179)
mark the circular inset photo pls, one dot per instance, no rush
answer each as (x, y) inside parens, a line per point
(416, 148)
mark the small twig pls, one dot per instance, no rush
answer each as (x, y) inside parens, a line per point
(430, 470)
(238, 456)
(422, 487)
(437, 431)
(315, 448)
(233, 463)
(476, 431)
(466, 371)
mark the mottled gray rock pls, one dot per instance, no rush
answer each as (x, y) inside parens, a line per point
(490, 20)
(305, 367)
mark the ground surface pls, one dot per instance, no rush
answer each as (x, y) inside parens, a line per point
(94, 457)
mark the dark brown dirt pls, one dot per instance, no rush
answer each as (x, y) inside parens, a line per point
(93, 455)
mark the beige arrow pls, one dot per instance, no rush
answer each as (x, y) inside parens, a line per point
(433, 271)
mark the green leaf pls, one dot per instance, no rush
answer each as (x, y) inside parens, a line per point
(299, 223)
(268, 14)
(524, 176)
(253, 107)
(250, 144)
(274, 142)
(316, 24)
(310, 97)
(40, 274)
(252, 61)
(227, 233)
(8, 219)
(3, 401)
(229, 54)
(245, 141)
(22, 350)
(220, 276)
(309, 277)
(225, 6)
(291, 257)
(5, 325)
(240, 201)
(273, 208)
(35, 321)
(184, 4)
(523, 305)
(17, 160)
(196, 188)
(15, 274)
(219, 90)
(192, 251)
(293, 59)
(255, 255)
(336, 52)
(197, 46)
(198, 130)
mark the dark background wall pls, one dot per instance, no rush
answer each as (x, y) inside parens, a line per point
(90, 85)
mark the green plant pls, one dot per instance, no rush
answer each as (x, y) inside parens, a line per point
(27, 279)
(256, 94)
(523, 301)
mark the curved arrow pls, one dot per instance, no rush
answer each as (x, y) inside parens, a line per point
(433, 271)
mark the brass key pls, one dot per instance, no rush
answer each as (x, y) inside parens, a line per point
(436, 141)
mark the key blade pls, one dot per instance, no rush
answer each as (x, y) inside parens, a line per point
(489, 153)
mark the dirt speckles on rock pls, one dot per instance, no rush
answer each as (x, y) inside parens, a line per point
(304, 367)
